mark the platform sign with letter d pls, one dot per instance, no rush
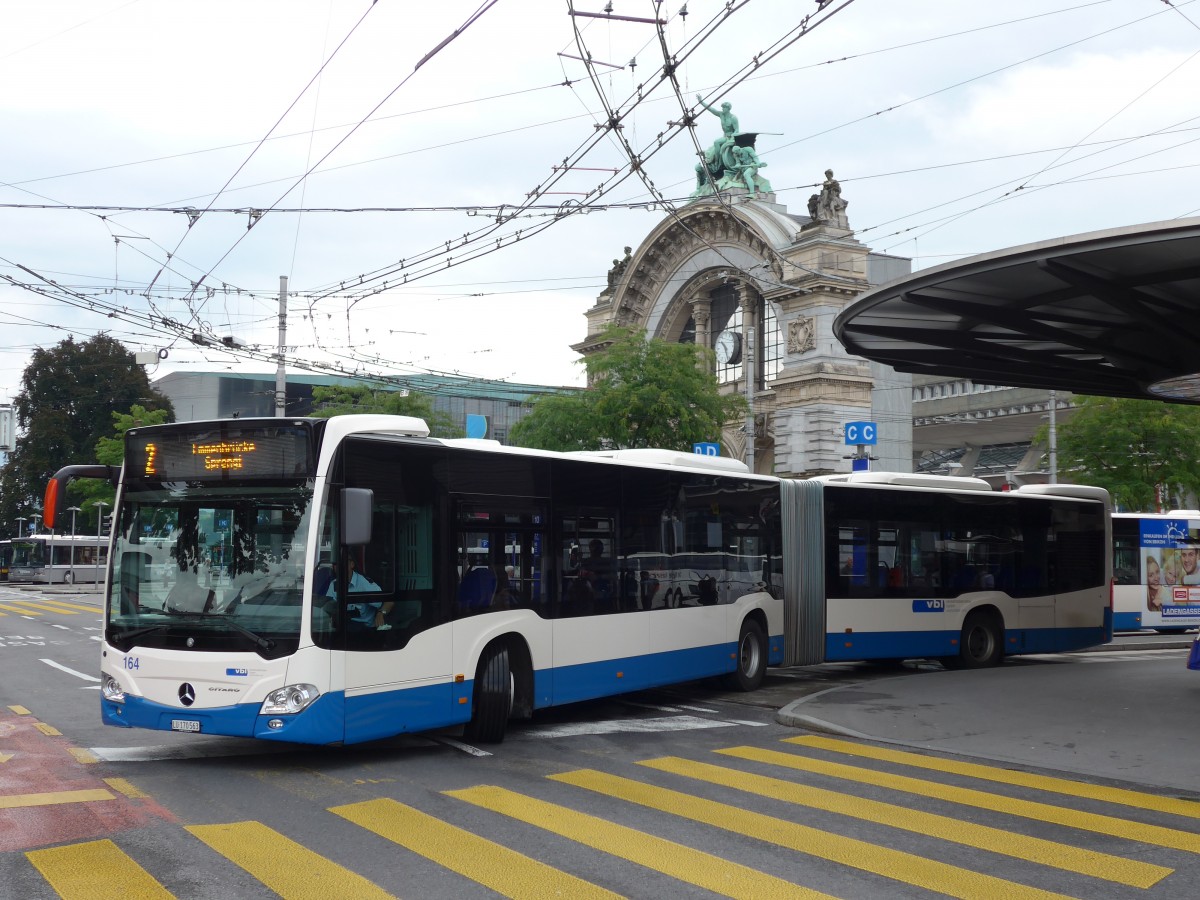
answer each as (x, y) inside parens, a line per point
(706, 448)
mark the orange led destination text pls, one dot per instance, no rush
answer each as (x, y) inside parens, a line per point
(223, 454)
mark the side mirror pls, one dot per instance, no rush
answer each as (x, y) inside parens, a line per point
(357, 505)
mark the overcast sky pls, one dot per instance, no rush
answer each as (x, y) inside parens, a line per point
(955, 129)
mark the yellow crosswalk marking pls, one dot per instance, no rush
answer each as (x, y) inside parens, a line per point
(493, 865)
(286, 867)
(23, 610)
(878, 860)
(97, 870)
(982, 837)
(123, 786)
(66, 605)
(683, 863)
(1120, 796)
(1042, 812)
(52, 798)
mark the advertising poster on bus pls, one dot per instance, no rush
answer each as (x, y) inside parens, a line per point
(1171, 572)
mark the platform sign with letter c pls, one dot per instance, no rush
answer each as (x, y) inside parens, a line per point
(861, 433)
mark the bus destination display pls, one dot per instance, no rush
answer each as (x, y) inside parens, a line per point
(272, 452)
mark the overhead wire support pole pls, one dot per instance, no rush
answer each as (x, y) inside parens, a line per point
(280, 369)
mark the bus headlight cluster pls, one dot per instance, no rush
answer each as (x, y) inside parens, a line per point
(111, 690)
(287, 701)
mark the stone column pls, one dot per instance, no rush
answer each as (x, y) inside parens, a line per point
(702, 315)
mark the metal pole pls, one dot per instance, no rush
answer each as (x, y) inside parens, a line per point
(280, 371)
(73, 510)
(99, 504)
(1053, 439)
(748, 371)
(20, 526)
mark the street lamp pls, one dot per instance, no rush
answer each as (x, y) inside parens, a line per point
(20, 526)
(35, 518)
(72, 510)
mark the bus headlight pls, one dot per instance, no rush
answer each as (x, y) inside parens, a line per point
(111, 690)
(287, 701)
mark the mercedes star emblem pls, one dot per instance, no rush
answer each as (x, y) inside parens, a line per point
(187, 694)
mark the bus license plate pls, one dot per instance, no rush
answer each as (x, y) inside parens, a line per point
(185, 725)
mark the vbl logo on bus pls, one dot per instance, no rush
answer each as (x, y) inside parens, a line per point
(920, 606)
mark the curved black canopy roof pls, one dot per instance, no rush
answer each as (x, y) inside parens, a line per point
(1111, 313)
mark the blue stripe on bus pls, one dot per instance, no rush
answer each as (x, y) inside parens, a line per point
(933, 644)
(321, 723)
(386, 713)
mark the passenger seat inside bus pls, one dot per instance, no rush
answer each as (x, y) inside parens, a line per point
(476, 588)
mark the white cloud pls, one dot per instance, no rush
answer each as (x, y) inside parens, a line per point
(195, 85)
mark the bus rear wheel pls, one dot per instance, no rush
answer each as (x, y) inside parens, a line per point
(981, 643)
(751, 658)
(69, 578)
(492, 702)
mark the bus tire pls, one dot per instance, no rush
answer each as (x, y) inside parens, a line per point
(751, 657)
(981, 643)
(68, 578)
(492, 701)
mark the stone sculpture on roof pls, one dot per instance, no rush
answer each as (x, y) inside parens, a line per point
(731, 161)
(828, 207)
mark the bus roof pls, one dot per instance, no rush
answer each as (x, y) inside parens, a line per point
(909, 479)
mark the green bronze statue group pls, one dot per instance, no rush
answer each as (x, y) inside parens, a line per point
(731, 161)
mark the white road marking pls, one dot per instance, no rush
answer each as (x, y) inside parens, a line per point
(670, 709)
(63, 668)
(699, 709)
(459, 745)
(628, 726)
(62, 627)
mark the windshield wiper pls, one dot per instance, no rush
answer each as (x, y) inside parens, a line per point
(260, 642)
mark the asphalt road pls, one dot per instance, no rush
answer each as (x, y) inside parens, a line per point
(688, 792)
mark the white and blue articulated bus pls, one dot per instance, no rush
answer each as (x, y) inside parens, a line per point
(343, 580)
(1156, 573)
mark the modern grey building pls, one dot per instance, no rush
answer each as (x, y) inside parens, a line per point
(219, 395)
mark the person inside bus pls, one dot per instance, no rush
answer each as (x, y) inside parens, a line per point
(365, 614)
(598, 570)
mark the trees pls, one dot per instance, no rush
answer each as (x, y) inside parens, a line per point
(644, 393)
(340, 401)
(1131, 448)
(68, 395)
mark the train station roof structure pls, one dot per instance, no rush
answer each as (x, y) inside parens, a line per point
(1111, 313)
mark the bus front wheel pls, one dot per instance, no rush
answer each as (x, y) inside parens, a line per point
(981, 643)
(492, 700)
(751, 657)
(69, 578)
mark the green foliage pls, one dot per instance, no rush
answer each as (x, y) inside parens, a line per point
(644, 393)
(341, 401)
(1131, 446)
(68, 396)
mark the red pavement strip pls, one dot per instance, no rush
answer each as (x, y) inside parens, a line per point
(47, 796)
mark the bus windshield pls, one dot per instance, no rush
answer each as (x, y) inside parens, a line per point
(209, 568)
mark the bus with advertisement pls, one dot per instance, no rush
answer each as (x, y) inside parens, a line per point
(343, 580)
(1156, 578)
